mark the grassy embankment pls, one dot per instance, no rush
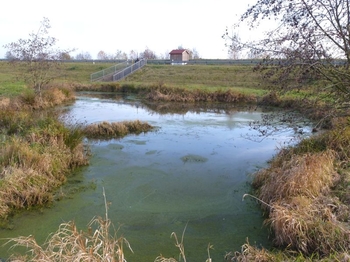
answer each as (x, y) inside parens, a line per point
(305, 191)
(38, 151)
(190, 83)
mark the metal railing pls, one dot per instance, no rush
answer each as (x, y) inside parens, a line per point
(106, 74)
(129, 70)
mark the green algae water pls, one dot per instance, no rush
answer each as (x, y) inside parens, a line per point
(193, 170)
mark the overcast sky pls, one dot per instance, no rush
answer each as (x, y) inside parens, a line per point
(160, 25)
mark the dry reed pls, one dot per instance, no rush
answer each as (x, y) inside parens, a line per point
(305, 175)
(179, 245)
(49, 98)
(296, 190)
(37, 153)
(30, 170)
(250, 253)
(116, 129)
(98, 244)
(308, 226)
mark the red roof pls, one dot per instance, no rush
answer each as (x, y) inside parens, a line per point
(177, 51)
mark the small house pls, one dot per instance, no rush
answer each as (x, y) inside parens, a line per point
(179, 56)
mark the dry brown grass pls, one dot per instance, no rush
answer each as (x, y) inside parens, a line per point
(99, 244)
(309, 226)
(116, 129)
(305, 192)
(28, 100)
(37, 151)
(31, 169)
(304, 216)
(250, 253)
(303, 175)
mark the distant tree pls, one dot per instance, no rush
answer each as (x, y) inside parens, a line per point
(233, 45)
(83, 56)
(120, 55)
(194, 54)
(165, 55)
(133, 55)
(148, 54)
(39, 55)
(9, 56)
(102, 55)
(65, 56)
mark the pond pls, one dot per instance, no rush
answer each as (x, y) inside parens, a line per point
(193, 170)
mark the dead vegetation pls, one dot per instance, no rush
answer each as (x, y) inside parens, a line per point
(116, 129)
(29, 100)
(99, 243)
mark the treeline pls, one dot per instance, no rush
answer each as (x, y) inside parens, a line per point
(117, 55)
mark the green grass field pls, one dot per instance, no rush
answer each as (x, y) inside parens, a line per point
(206, 77)
(194, 76)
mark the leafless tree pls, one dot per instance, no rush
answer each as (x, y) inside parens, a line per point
(311, 41)
(39, 55)
(148, 54)
(234, 45)
(102, 55)
(10, 56)
(165, 55)
(120, 55)
(133, 55)
(83, 56)
(194, 53)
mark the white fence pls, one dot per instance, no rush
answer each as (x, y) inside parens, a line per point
(129, 70)
(106, 74)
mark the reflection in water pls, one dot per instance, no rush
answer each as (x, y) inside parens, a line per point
(194, 169)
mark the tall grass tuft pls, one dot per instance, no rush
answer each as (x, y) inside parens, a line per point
(309, 226)
(250, 253)
(29, 100)
(116, 129)
(297, 190)
(98, 244)
(307, 175)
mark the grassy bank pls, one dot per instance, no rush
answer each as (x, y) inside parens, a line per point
(305, 195)
(37, 151)
(210, 77)
(192, 83)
